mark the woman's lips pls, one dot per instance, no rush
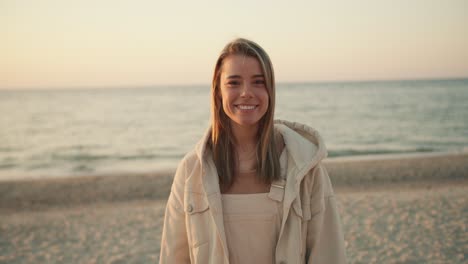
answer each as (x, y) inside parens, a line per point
(245, 107)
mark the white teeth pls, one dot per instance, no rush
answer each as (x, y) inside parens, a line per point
(246, 107)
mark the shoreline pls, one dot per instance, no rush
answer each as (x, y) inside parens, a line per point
(352, 174)
(170, 170)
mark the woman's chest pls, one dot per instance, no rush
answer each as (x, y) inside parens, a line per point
(247, 184)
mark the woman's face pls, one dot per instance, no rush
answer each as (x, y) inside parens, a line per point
(243, 91)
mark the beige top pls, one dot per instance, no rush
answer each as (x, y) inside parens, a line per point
(252, 224)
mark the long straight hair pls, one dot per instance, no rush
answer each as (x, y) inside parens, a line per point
(222, 140)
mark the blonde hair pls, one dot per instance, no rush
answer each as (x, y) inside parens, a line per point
(222, 141)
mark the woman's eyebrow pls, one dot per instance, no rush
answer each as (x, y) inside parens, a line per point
(240, 77)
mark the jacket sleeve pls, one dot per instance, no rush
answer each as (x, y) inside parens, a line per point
(174, 242)
(325, 240)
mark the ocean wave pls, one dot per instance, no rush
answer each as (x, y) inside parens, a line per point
(4, 166)
(175, 156)
(79, 157)
(356, 152)
(10, 149)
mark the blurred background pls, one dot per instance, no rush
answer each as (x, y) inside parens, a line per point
(112, 86)
(100, 99)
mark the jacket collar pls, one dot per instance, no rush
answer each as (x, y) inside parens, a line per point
(304, 144)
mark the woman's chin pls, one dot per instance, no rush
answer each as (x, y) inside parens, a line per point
(246, 123)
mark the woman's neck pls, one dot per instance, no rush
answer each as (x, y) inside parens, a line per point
(245, 137)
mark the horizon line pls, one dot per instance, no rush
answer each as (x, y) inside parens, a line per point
(140, 86)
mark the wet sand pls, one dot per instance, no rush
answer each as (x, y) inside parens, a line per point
(353, 172)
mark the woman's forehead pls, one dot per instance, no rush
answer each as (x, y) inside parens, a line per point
(241, 65)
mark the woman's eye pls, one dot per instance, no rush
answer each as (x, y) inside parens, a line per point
(232, 83)
(259, 82)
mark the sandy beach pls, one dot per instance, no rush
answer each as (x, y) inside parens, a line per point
(405, 220)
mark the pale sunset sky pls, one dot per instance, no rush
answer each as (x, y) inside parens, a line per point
(107, 43)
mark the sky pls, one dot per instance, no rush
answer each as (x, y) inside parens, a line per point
(108, 43)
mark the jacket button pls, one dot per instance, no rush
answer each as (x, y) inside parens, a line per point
(189, 208)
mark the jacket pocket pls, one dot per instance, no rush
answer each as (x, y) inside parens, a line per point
(197, 217)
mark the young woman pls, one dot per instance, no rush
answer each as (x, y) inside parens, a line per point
(253, 190)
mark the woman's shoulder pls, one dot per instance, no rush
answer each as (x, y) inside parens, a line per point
(318, 179)
(279, 141)
(189, 160)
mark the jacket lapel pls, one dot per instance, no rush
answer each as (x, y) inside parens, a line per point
(210, 181)
(213, 194)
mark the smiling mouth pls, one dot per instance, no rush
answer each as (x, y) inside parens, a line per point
(246, 107)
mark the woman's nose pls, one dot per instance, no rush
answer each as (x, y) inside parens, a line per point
(246, 90)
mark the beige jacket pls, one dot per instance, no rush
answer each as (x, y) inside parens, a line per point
(310, 230)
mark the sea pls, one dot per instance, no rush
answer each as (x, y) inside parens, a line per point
(107, 131)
